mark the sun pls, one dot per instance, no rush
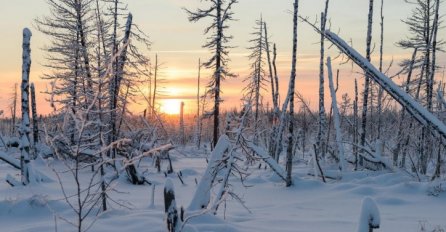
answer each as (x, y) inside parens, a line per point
(170, 106)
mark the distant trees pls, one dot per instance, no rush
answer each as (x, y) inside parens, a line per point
(220, 13)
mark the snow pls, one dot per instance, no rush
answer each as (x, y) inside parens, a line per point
(307, 206)
(27, 34)
(168, 186)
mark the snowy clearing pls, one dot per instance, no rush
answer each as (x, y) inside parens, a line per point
(309, 205)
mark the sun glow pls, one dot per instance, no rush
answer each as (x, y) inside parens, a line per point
(170, 106)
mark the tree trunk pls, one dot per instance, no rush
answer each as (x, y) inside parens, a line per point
(366, 84)
(322, 122)
(270, 68)
(337, 121)
(198, 106)
(217, 73)
(34, 113)
(170, 207)
(381, 53)
(155, 84)
(182, 135)
(24, 128)
(356, 126)
(289, 162)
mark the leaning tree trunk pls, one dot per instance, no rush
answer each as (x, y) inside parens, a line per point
(270, 67)
(337, 121)
(24, 128)
(116, 82)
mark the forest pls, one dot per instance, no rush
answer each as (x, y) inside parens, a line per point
(370, 159)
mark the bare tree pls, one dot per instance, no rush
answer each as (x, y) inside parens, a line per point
(291, 92)
(355, 126)
(337, 121)
(423, 26)
(322, 117)
(366, 92)
(257, 78)
(198, 126)
(182, 129)
(34, 114)
(220, 12)
(381, 53)
(274, 85)
(14, 109)
(24, 127)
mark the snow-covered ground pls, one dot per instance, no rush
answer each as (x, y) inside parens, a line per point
(309, 205)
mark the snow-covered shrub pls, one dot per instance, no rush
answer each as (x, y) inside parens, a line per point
(370, 217)
(436, 188)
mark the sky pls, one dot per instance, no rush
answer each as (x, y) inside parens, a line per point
(178, 44)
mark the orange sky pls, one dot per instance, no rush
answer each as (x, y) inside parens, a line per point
(178, 43)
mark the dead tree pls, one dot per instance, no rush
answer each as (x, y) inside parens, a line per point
(337, 121)
(182, 135)
(256, 79)
(420, 113)
(289, 158)
(365, 98)
(155, 82)
(270, 69)
(356, 126)
(220, 12)
(381, 53)
(170, 207)
(423, 26)
(14, 110)
(322, 123)
(198, 127)
(34, 113)
(24, 127)
(116, 84)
